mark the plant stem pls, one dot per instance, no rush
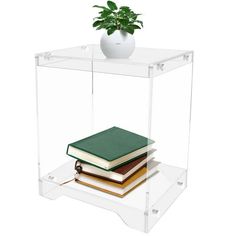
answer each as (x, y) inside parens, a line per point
(117, 22)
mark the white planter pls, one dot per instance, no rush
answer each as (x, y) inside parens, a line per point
(117, 45)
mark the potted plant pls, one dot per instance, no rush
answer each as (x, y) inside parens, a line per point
(120, 25)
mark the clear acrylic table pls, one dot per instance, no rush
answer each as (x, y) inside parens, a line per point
(80, 92)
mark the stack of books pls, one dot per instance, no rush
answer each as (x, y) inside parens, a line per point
(113, 161)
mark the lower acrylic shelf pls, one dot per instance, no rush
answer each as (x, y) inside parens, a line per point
(140, 209)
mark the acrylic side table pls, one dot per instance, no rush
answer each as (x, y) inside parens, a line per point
(80, 92)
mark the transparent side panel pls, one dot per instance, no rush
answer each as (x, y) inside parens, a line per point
(64, 112)
(75, 104)
(170, 125)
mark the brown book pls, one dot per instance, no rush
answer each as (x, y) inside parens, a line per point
(120, 174)
(119, 190)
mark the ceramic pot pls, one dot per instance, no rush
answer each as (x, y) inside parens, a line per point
(120, 44)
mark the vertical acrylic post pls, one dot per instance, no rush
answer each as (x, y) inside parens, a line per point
(150, 98)
(170, 103)
(37, 118)
(191, 59)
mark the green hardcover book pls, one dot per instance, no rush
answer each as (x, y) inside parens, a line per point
(110, 148)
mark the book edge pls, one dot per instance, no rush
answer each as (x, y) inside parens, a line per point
(108, 165)
(149, 142)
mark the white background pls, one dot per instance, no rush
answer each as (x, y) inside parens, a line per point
(207, 207)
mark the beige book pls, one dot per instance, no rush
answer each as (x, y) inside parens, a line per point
(118, 189)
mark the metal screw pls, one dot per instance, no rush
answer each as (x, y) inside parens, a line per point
(155, 211)
(84, 47)
(146, 213)
(186, 57)
(160, 67)
(51, 177)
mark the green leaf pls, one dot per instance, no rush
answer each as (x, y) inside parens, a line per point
(97, 23)
(135, 16)
(140, 22)
(125, 8)
(108, 26)
(100, 27)
(111, 30)
(112, 5)
(135, 26)
(99, 18)
(106, 13)
(129, 30)
(100, 7)
(124, 22)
